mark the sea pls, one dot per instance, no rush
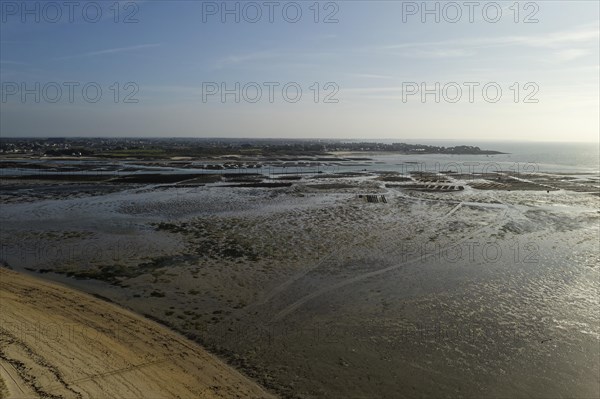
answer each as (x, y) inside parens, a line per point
(548, 157)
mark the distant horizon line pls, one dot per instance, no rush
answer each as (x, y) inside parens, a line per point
(300, 139)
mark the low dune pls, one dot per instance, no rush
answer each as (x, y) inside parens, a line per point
(60, 343)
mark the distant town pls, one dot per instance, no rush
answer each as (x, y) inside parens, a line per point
(158, 148)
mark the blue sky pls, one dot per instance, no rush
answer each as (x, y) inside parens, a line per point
(371, 58)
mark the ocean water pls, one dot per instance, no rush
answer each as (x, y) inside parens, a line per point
(519, 157)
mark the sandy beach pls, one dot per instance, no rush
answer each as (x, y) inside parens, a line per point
(57, 342)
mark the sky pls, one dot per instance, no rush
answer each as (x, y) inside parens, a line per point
(339, 69)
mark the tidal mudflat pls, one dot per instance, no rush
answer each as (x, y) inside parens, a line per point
(343, 285)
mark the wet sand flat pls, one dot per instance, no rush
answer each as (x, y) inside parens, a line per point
(314, 291)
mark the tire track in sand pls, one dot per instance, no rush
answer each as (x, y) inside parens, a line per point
(300, 302)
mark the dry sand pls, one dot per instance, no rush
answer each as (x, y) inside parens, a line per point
(60, 343)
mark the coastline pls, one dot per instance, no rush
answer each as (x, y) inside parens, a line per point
(59, 341)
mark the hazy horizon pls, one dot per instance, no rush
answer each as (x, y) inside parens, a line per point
(415, 140)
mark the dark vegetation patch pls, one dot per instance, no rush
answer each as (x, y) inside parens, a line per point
(290, 177)
(241, 175)
(112, 274)
(208, 178)
(339, 175)
(209, 240)
(332, 186)
(393, 178)
(115, 274)
(158, 178)
(258, 185)
(244, 178)
(61, 177)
